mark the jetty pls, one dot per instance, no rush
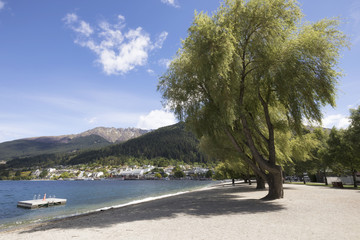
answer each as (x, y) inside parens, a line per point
(38, 203)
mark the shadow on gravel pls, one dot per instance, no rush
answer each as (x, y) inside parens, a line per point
(213, 202)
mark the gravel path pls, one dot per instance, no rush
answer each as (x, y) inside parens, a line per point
(223, 212)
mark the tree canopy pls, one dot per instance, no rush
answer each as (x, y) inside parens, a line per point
(253, 71)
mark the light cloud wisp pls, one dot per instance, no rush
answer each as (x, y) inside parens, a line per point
(172, 3)
(165, 62)
(2, 4)
(354, 14)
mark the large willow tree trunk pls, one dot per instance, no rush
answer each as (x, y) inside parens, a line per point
(275, 182)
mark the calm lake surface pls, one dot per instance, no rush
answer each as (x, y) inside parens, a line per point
(82, 196)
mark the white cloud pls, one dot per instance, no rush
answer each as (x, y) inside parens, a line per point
(2, 4)
(171, 3)
(156, 119)
(84, 28)
(118, 51)
(150, 71)
(337, 120)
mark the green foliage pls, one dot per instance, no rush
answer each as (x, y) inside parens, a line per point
(179, 174)
(209, 174)
(157, 170)
(66, 175)
(252, 71)
(337, 150)
(161, 162)
(4, 174)
(158, 175)
(343, 147)
(231, 170)
(43, 174)
(351, 140)
(46, 160)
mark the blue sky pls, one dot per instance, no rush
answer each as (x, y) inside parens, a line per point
(69, 66)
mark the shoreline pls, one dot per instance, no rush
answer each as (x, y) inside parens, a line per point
(36, 222)
(218, 212)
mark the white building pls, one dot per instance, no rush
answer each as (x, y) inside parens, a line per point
(51, 170)
(198, 170)
(98, 174)
(36, 173)
(133, 174)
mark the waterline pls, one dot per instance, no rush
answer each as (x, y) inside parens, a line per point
(84, 197)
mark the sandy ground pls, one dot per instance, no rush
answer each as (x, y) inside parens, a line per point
(223, 212)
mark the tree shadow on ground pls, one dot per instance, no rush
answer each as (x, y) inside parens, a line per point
(213, 202)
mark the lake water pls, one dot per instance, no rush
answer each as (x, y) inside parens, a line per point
(82, 196)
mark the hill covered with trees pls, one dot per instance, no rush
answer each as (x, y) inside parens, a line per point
(92, 139)
(161, 147)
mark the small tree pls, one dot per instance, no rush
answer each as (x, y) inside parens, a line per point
(209, 174)
(43, 174)
(178, 173)
(158, 175)
(351, 144)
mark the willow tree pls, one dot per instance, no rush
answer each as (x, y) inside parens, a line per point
(252, 70)
(231, 163)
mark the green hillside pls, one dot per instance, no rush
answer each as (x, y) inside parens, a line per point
(168, 143)
(48, 145)
(171, 142)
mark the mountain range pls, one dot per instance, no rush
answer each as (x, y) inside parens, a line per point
(167, 145)
(92, 139)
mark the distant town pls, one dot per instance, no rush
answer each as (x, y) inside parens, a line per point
(85, 172)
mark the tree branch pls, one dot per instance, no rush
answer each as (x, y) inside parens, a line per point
(246, 158)
(271, 142)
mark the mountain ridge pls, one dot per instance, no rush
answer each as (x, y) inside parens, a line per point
(170, 145)
(91, 139)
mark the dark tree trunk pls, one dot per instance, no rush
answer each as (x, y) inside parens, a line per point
(260, 182)
(326, 181)
(248, 173)
(354, 178)
(275, 182)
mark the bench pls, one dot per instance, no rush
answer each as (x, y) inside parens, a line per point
(337, 184)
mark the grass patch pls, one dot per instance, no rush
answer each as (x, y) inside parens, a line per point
(323, 185)
(25, 174)
(351, 186)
